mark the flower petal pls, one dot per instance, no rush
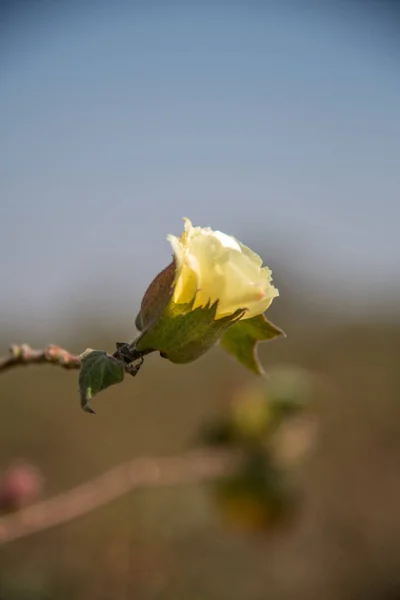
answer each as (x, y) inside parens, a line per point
(215, 267)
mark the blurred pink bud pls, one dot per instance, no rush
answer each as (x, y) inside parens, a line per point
(20, 485)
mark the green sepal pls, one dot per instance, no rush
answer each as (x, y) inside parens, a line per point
(242, 338)
(182, 334)
(98, 371)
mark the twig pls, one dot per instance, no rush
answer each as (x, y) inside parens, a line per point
(25, 355)
(137, 473)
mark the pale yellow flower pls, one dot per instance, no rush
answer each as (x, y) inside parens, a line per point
(211, 266)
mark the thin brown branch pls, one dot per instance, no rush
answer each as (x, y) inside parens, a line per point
(25, 355)
(138, 473)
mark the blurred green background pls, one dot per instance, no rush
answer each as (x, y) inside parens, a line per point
(271, 122)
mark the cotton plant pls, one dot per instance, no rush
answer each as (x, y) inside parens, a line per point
(215, 290)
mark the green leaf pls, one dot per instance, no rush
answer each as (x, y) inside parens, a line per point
(241, 340)
(98, 371)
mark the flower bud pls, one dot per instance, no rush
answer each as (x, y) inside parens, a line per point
(213, 282)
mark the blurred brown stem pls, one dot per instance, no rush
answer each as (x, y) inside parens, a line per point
(137, 473)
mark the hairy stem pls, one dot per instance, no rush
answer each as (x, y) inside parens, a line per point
(23, 354)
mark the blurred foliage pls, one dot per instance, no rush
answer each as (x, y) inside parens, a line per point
(344, 541)
(258, 409)
(259, 495)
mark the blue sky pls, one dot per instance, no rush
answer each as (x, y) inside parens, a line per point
(278, 125)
